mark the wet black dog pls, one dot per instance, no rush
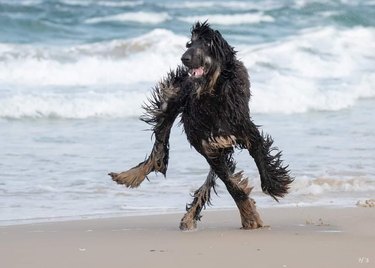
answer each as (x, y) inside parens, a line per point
(211, 92)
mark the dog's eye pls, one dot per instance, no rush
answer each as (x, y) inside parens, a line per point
(188, 44)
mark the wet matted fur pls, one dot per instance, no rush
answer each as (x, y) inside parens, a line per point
(211, 92)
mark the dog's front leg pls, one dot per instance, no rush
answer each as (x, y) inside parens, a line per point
(167, 99)
(274, 175)
(157, 161)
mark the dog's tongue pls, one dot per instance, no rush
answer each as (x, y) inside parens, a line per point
(198, 71)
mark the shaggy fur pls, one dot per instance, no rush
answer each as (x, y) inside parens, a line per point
(211, 92)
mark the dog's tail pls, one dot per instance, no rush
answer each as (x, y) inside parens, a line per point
(275, 177)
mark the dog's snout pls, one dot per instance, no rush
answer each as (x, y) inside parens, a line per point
(186, 58)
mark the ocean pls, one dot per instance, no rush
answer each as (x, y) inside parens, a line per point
(75, 73)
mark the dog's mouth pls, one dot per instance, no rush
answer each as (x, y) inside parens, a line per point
(196, 72)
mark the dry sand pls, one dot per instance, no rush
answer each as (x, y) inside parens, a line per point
(297, 237)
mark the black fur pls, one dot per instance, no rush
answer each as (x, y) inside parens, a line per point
(211, 92)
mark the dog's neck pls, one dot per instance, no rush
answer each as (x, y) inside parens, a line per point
(207, 85)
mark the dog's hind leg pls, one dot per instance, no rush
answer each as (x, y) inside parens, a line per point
(202, 196)
(237, 186)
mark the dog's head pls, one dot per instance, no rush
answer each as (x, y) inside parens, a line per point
(207, 51)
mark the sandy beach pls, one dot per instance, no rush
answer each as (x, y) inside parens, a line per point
(295, 237)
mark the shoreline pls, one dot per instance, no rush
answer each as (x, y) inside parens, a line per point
(213, 209)
(296, 237)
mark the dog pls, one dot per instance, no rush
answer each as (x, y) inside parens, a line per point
(211, 93)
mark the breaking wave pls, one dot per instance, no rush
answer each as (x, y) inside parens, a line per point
(318, 186)
(139, 17)
(140, 59)
(234, 19)
(321, 69)
(72, 106)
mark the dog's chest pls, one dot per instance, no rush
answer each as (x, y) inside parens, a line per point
(202, 108)
(202, 117)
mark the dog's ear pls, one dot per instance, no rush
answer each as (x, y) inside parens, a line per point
(220, 48)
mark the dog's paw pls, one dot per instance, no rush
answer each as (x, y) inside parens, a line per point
(134, 176)
(252, 224)
(188, 225)
(131, 178)
(250, 218)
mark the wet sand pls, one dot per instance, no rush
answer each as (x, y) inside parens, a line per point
(296, 237)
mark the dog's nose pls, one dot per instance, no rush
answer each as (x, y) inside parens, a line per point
(186, 58)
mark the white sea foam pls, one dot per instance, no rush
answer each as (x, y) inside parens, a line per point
(102, 3)
(320, 69)
(319, 186)
(119, 3)
(143, 59)
(233, 5)
(75, 106)
(22, 2)
(234, 19)
(85, 72)
(139, 17)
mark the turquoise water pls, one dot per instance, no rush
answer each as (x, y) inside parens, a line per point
(74, 74)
